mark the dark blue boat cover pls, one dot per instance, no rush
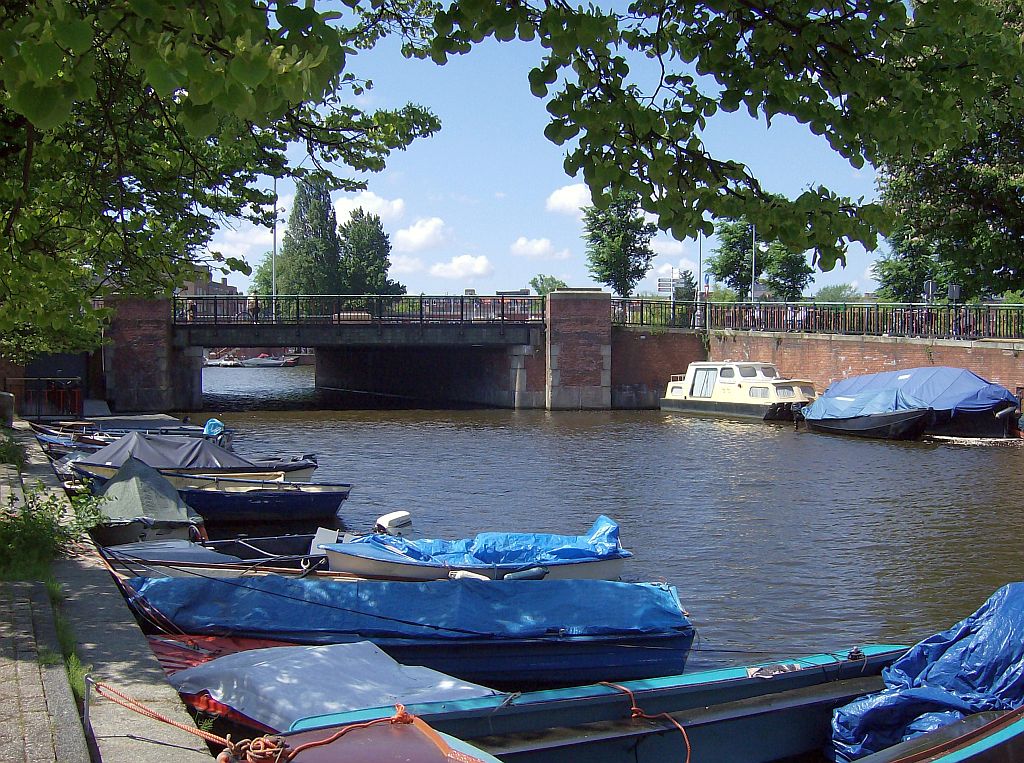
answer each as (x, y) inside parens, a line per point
(167, 452)
(494, 548)
(976, 665)
(938, 387)
(325, 612)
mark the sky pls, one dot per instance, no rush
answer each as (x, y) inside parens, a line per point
(485, 203)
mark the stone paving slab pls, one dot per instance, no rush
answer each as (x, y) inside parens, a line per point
(39, 720)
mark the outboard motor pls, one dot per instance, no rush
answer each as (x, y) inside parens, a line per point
(397, 523)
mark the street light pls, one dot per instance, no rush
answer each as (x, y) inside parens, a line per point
(754, 246)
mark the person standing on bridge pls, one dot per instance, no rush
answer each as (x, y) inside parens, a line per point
(254, 308)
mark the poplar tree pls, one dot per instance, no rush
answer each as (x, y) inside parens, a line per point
(310, 257)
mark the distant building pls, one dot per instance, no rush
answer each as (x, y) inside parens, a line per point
(204, 285)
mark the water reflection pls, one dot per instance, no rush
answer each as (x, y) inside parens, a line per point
(778, 540)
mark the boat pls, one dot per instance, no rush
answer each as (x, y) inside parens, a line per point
(493, 555)
(109, 428)
(498, 633)
(271, 688)
(736, 389)
(268, 361)
(955, 696)
(264, 689)
(235, 499)
(933, 401)
(190, 456)
(140, 505)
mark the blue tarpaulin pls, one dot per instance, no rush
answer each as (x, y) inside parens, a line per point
(940, 388)
(975, 666)
(324, 612)
(494, 548)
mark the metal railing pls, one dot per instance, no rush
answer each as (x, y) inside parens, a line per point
(37, 397)
(988, 321)
(295, 310)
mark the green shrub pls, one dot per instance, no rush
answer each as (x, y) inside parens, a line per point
(32, 533)
(11, 452)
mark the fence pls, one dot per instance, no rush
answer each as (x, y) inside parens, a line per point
(357, 309)
(46, 396)
(868, 319)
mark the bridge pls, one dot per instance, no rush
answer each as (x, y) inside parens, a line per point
(574, 349)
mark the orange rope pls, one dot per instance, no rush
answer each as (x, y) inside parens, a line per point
(273, 749)
(636, 712)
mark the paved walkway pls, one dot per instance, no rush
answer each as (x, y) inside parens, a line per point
(39, 721)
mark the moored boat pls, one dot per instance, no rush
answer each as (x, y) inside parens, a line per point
(497, 633)
(597, 554)
(190, 456)
(736, 389)
(234, 499)
(932, 401)
(956, 696)
(268, 361)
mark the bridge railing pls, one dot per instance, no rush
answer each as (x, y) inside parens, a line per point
(986, 321)
(345, 309)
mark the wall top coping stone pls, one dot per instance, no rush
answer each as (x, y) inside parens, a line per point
(579, 294)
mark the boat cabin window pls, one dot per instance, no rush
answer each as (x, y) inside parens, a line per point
(748, 372)
(728, 373)
(784, 390)
(759, 392)
(676, 389)
(769, 372)
(808, 391)
(704, 382)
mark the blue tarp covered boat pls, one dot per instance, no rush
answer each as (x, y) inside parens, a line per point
(497, 633)
(977, 666)
(595, 555)
(904, 404)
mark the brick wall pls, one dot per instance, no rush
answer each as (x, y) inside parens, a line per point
(643, 361)
(578, 350)
(827, 358)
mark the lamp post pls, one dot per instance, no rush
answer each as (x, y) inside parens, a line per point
(273, 262)
(753, 258)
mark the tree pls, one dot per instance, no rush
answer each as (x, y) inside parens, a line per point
(966, 202)
(686, 291)
(860, 73)
(618, 241)
(130, 129)
(786, 273)
(543, 284)
(365, 256)
(902, 271)
(310, 258)
(840, 292)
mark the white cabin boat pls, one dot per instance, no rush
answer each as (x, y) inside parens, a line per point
(737, 389)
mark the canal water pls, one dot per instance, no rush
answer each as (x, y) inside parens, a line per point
(779, 541)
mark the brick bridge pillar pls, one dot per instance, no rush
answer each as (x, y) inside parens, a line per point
(579, 350)
(144, 371)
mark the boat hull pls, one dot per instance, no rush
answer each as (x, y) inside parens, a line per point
(999, 422)
(900, 425)
(264, 505)
(285, 471)
(599, 569)
(745, 411)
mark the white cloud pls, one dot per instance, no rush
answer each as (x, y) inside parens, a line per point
(682, 264)
(422, 234)
(537, 249)
(403, 264)
(569, 199)
(463, 266)
(249, 242)
(388, 210)
(667, 247)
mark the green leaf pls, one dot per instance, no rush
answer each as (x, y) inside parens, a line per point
(250, 72)
(43, 59)
(74, 34)
(162, 77)
(45, 107)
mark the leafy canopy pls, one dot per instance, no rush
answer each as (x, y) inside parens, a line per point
(618, 242)
(365, 256)
(840, 292)
(544, 285)
(860, 73)
(130, 128)
(784, 272)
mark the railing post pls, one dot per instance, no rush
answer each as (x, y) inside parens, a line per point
(421, 308)
(215, 300)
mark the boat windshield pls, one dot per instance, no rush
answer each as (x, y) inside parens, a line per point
(769, 372)
(704, 381)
